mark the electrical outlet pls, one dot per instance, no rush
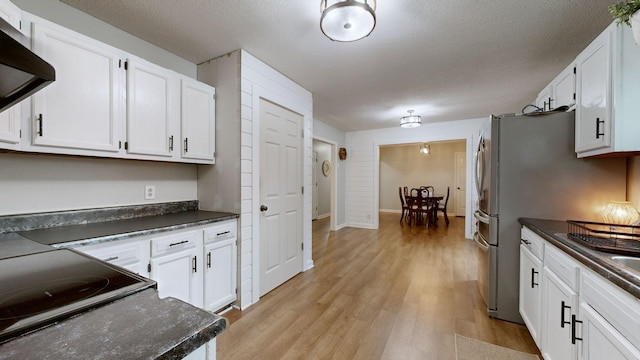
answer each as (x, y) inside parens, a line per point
(149, 192)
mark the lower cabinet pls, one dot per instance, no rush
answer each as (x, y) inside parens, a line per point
(174, 265)
(559, 304)
(220, 258)
(584, 316)
(530, 291)
(132, 255)
(197, 266)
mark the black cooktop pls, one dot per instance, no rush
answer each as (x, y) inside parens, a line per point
(42, 288)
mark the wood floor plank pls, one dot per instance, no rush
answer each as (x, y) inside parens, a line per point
(398, 292)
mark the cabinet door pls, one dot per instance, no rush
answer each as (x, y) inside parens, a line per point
(593, 113)
(220, 274)
(564, 88)
(198, 120)
(559, 302)
(178, 276)
(81, 109)
(152, 109)
(544, 98)
(10, 127)
(600, 340)
(530, 292)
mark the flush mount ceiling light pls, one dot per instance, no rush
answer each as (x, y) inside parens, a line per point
(410, 121)
(425, 149)
(347, 20)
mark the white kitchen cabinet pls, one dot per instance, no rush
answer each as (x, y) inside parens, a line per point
(80, 112)
(152, 109)
(559, 303)
(530, 291)
(176, 265)
(198, 120)
(131, 254)
(560, 92)
(544, 98)
(564, 88)
(10, 129)
(608, 83)
(220, 272)
(610, 320)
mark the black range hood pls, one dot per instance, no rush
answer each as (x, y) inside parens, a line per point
(22, 72)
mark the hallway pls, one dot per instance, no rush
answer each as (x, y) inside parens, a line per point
(393, 293)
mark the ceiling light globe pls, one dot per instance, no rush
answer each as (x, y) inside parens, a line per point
(346, 21)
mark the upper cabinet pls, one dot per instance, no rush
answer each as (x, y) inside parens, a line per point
(153, 109)
(81, 108)
(198, 120)
(10, 128)
(608, 84)
(560, 92)
(108, 103)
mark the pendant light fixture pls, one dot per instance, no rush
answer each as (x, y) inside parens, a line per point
(347, 20)
(425, 149)
(410, 121)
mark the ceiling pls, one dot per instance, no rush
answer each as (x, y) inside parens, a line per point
(445, 59)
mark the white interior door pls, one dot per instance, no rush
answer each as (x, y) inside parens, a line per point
(460, 192)
(280, 195)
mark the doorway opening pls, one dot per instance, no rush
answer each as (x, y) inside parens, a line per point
(324, 173)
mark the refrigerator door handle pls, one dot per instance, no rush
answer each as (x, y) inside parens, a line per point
(477, 169)
(485, 219)
(482, 243)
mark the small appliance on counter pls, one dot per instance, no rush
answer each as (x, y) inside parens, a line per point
(41, 288)
(526, 166)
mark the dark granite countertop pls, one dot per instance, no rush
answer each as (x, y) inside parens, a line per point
(139, 326)
(97, 232)
(600, 262)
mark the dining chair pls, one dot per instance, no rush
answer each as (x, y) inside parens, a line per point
(419, 208)
(405, 206)
(443, 208)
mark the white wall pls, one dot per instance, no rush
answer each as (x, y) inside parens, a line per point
(363, 164)
(324, 182)
(328, 133)
(403, 165)
(40, 183)
(257, 81)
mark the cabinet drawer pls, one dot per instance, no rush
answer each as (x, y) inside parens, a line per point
(172, 243)
(620, 309)
(533, 242)
(227, 230)
(562, 265)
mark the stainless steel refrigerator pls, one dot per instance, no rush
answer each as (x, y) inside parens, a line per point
(526, 166)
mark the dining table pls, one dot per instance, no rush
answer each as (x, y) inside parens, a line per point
(433, 199)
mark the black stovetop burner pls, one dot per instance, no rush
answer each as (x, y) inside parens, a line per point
(39, 289)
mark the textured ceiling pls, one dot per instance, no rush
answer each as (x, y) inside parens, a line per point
(446, 59)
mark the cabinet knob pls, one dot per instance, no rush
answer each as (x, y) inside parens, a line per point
(263, 208)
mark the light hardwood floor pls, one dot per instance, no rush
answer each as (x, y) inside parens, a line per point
(393, 293)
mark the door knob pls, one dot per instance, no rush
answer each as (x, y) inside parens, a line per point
(458, 187)
(263, 208)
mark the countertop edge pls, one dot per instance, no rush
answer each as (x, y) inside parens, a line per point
(191, 331)
(595, 260)
(145, 232)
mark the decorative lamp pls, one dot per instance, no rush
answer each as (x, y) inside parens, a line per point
(425, 149)
(410, 121)
(620, 212)
(347, 20)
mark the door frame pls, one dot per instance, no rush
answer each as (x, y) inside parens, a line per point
(335, 165)
(253, 139)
